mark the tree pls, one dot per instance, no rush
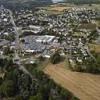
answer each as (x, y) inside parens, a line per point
(37, 97)
(1, 80)
(8, 64)
(7, 88)
(98, 58)
(7, 50)
(18, 98)
(60, 39)
(55, 58)
(41, 58)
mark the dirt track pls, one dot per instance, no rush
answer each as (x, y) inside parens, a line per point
(84, 86)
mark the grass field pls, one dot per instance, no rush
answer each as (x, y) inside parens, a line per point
(84, 86)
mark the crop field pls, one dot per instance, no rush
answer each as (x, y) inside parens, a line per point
(83, 85)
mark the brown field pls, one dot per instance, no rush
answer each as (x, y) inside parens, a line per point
(82, 85)
(58, 8)
(95, 47)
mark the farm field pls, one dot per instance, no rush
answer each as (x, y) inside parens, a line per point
(59, 8)
(82, 85)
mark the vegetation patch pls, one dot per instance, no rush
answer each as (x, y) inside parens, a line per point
(17, 85)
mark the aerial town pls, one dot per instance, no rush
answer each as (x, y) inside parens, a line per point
(27, 36)
(42, 34)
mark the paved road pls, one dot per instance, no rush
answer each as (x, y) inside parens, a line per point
(16, 31)
(21, 67)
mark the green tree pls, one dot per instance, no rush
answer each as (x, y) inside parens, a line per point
(41, 58)
(1, 80)
(55, 58)
(60, 39)
(18, 98)
(7, 88)
(7, 50)
(37, 97)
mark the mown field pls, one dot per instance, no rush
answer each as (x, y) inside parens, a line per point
(83, 85)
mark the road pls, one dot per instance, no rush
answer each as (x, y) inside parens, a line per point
(17, 58)
(16, 31)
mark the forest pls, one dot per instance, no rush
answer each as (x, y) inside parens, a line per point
(16, 85)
